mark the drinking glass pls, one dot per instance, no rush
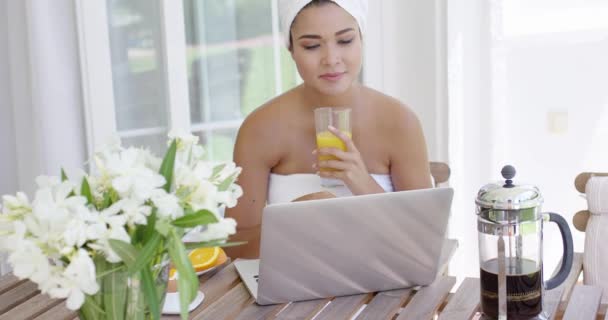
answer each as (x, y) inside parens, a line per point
(339, 118)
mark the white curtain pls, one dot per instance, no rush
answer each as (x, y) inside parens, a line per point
(45, 108)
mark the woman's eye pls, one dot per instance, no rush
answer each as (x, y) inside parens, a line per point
(345, 41)
(311, 47)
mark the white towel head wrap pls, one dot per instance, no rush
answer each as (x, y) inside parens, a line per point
(289, 9)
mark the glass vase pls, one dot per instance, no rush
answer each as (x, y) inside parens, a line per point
(122, 296)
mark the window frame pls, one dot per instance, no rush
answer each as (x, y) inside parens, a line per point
(97, 82)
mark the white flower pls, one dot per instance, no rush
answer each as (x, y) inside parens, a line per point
(77, 280)
(133, 173)
(110, 225)
(215, 231)
(52, 211)
(229, 170)
(230, 196)
(132, 177)
(16, 205)
(185, 140)
(167, 205)
(77, 231)
(29, 261)
(135, 211)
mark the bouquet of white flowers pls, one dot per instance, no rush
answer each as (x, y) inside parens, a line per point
(103, 241)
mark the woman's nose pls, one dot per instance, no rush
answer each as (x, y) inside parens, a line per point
(331, 56)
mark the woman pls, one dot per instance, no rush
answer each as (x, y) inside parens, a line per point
(276, 144)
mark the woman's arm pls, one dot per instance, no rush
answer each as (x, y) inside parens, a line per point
(254, 153)
(409, 164)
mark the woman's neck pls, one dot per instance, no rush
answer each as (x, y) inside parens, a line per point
(348, 98)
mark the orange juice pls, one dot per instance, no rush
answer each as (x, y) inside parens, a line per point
(326, 139)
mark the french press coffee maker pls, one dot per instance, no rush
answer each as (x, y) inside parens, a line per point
(510, 229)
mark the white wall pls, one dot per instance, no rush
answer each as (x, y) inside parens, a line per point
(405, 58)
(557, 95)
(8, 168)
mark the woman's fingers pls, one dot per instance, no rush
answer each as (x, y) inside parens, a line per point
(335, 152)
(348, 142)
(334, 164)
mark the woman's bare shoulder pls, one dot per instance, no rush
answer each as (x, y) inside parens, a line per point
(264, 119)
(392, 112)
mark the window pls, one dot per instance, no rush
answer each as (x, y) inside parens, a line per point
(202, 65)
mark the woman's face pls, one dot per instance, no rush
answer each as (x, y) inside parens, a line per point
(326, 47)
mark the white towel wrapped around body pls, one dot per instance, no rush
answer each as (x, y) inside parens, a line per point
(595, 260)
(289, 9)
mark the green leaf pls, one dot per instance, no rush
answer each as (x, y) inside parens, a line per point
(125, 251)
(115, 294)
(150, 227)
(163, 227)
(150, 292)
(106, 202)
(227, 182)
(217, 169)
(145, 254)
(187, 282)
(166, 168)
(201, 217)
(64, 177)
(101, 269)
(210, 244)
(91, 310)
(85, 190)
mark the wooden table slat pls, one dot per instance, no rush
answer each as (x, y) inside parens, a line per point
(427, 300)
(584, 303)
(385, 304)
(302, 310)
(255, 311)
(213, 285)
(343, 307)
(31, 308)
(58, 312)
(230, 304)
(17, 295)
(7, 282)
(464, 302)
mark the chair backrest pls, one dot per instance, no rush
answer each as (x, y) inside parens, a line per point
(440, 172)
(580, 182)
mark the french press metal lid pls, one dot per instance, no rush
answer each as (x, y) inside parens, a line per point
(505, 202)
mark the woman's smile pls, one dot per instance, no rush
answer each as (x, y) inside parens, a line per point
(332, 76)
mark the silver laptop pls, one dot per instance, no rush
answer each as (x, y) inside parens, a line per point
(350, 245)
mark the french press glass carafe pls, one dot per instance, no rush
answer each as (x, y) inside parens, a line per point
(510, 229)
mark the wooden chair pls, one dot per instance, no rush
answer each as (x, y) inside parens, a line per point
(581, 218)
(440, 172)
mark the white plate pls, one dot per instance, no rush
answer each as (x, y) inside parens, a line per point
(171, 305)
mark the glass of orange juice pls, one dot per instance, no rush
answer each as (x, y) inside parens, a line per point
(339, 118)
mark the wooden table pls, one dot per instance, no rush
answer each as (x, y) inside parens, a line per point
(227, 298)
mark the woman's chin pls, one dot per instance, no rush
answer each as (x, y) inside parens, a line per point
(334, 89)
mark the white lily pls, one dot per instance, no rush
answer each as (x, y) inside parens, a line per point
(135, 211)
(16, 205)
(77, 280)
(167, 205)
(220, 230)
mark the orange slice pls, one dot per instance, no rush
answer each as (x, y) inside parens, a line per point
(204, 258)
(222, 258)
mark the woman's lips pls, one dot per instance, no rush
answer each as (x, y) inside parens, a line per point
(334, 76)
